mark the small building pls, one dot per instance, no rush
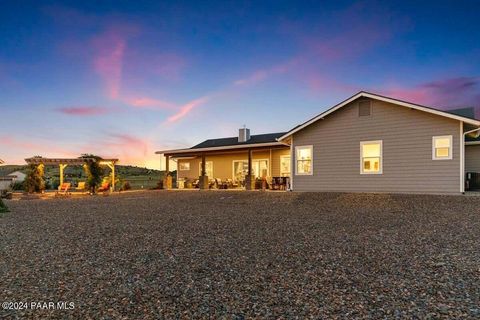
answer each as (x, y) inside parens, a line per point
(17, 176)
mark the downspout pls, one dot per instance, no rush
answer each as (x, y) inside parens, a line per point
(462, 154)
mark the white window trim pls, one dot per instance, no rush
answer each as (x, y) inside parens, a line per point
(450, 152)
(381, 156)
(296, 160)
(184, 162)
(282, 157)
(253, 160)
(200, 168)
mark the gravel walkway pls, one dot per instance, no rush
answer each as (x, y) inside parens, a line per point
(239, 255)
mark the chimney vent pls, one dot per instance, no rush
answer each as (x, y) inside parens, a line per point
(243, 134)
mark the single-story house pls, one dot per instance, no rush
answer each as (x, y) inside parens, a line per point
(17, 176)
(366, 143)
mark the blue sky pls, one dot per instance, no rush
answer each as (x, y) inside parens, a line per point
(124, 79)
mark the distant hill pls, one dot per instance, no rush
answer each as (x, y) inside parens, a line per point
(50, 171)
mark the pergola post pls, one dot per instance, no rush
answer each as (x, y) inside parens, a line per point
(62, 168)
(167, 179)
(203, 179)
(111, 165)
(250, 178)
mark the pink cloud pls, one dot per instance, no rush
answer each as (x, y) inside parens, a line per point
(447, 93)
(109, 52)
(186, 109)
(150, 103)
(84, 111)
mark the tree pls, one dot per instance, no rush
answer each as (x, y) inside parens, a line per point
(34, 181)
(93, 170)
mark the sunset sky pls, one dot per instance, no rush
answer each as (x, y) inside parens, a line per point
(124, 79)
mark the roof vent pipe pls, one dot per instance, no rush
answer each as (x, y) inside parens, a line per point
(243, 134)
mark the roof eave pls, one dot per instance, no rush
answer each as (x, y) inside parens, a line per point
(232, 147)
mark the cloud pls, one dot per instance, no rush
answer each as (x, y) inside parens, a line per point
(445, 93)
(187, 108)
(84, 111)
(150, 103)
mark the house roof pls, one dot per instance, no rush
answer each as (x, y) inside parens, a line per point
(257, 140)
(459, 117)
(233, 141)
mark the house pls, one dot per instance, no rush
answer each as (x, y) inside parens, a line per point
(366, 143)
(17, 176)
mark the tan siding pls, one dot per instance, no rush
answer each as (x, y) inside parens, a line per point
(472, 158)
(407, 151)
(223, 164)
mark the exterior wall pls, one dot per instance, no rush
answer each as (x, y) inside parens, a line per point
(407, 151)
(472, 158)
(223, 163)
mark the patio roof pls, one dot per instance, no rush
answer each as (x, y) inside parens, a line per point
(69, 161)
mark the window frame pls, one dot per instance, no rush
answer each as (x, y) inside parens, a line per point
(246, 161)
(362, 143)
(450, 148)
(183, 163)
(290, 166)
(296, 160)
(200, 168)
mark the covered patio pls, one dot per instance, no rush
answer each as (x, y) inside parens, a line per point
(64, 162)
(216, 166)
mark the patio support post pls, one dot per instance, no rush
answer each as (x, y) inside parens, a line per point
(62, 167)
(250, 178)
(203, 179)
(167, 179)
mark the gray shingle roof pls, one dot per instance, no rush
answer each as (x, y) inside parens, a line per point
(233, 141)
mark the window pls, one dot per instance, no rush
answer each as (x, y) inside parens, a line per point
(183, 166)
(240, 169)
(364, 108)
(303, 158)
(442, 148)
(371, 157)
(208, 168)
(285, 166)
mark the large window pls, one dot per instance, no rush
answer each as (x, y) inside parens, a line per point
(184, 165)
(208, 168)
(240, 169)
(371, 157)
(285, 166)
(304, 160)
(442, 148)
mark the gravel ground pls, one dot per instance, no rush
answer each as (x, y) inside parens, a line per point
(241, 255)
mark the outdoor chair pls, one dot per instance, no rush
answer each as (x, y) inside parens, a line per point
(81, 187)
(104, 188)
(63, 189)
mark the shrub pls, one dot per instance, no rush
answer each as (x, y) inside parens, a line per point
(126, 186)
(3, 207)
(34, 181)
(18, 186)
(94, 172)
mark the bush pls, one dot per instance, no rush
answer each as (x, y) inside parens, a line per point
(18, 186)
(94, 172)
(3, 207)
(34, 181)
(126, 186)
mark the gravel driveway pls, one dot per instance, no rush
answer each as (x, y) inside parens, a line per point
(239, 255)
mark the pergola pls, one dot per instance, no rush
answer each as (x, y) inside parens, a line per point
(63, 163)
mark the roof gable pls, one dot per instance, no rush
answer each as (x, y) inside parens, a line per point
(385, 99)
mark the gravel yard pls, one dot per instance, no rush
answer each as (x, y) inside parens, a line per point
(241, 255)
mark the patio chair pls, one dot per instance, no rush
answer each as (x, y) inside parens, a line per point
(104, 188)
(63, 189)
(81, 187)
